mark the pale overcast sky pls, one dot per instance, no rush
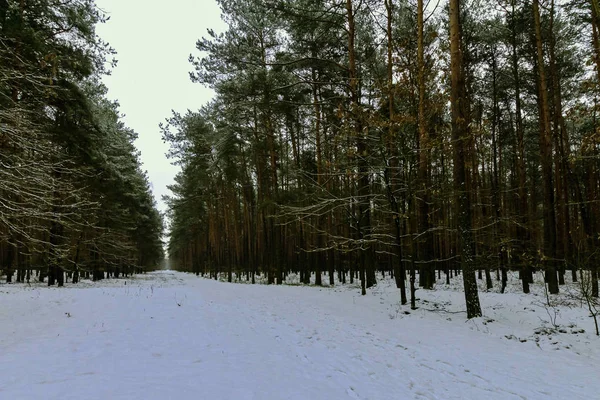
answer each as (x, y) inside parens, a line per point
(153, 40)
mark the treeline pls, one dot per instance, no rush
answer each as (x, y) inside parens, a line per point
(356, 136)
(73, 198)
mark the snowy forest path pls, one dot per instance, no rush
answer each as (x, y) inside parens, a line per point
(169, 335)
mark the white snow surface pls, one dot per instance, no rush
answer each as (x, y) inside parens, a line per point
(170, 335)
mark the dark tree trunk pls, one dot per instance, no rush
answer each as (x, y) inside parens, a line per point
(522, 247)
(392, 172)
(425, 248)
(363, 219)
(546, 160)
(460, 135)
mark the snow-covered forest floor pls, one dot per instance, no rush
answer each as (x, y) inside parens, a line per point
(169, 335)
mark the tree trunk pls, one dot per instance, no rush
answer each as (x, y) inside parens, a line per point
(522, 247)
(549, 250)
(364, 213)
(425, 249)
(596, 34)
(495, 172)
(460, 136)
(392, 172)
(561, 138)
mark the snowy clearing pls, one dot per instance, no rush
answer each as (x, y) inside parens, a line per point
(169, 335)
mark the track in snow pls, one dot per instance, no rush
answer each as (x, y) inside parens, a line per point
(175, 336)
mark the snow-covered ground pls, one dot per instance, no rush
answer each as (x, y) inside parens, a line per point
(169, 335)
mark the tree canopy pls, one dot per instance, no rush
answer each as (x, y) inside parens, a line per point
(351, 137)
(73, 195)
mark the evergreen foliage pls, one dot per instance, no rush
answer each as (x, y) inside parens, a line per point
(73, 197)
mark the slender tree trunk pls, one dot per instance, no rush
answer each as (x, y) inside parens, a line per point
(8, 261)
(392, 172)
(321, 258)
(523, 208)
(364, 212)
(425, 252)
(460, 136)
(495, 172)
(546, 160)
(596, 34)
(565, 240)
(413, 289)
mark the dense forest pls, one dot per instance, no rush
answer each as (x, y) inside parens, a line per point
(74, 201)
(371, 199)
(418, 139)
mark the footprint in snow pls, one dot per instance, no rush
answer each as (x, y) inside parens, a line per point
(352, 393)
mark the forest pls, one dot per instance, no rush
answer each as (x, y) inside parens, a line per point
(369, 199)
(74, 200)
(353, 137)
